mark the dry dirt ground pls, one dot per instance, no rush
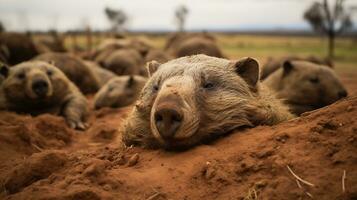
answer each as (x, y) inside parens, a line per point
(40, 158)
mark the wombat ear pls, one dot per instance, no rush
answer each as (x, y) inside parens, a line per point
(51, 62)
(248, 69)
(287, 67)
(152, 66)
(4, 70)
(130, 82)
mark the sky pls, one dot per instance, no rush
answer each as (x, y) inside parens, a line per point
(151, 15)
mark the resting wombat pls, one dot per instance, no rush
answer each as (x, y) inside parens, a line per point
(183, 44)
(305, 86)
(75, 69)
(191, 99)
(119, 92)
(20, 47)
(37, 87)
(124, 62)
(274, 64)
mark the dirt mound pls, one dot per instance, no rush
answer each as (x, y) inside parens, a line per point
(318, 147)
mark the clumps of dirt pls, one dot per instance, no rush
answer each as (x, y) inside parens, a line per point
(34, 168)
(310, 157)
(32, 134)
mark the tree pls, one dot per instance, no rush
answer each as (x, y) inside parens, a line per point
(2, 28)
(117, 18)
(180, 17)
(329, 21)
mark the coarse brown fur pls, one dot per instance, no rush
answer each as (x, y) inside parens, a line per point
(157, 55)
(21, 92)
(305, 86)
(20, 47)
(213, 95)
(103, 75)
(119, 92)
(75, 69)
(124, 62)
(184, 44)
(273, 64)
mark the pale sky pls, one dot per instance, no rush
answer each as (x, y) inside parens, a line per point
(22, 15)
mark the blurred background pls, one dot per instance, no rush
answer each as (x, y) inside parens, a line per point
(257, 28)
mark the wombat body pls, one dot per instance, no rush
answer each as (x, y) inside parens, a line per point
(37, 87)
(196, 98)
(103, 75)
(183, 44)
(124, 62)
(20, 47)
(274, 64)
(119, 92)
(75, 69)
(305, 86)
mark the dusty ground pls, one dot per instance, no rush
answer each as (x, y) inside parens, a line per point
(40, 158)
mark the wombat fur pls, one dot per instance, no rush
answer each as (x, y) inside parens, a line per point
(184, 44)
(20, 47)
(103, 75)
(196, 98)
(124, 62)
(75, 69)
(305, 86)
(119, 92)
(37, 87)
(274, 64)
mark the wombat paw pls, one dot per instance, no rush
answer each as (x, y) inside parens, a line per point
(77, 125)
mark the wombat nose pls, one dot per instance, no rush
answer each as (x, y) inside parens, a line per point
(342, 93)
(40, 87)
(167, 121)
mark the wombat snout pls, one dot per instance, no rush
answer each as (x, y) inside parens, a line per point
(168, 121)
(40, 87)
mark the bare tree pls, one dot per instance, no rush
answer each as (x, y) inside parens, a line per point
(117, 18)
(181, 13)
(2, 28)
(329, 21)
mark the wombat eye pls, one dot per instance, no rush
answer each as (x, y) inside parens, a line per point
(156, 88)
(49, 72)
(314, 80)
(21, 75)
(208, 85)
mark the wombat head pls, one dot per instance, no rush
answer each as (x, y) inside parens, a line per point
(194, 98)
(119, 92)
(33, 83)
(307, 84)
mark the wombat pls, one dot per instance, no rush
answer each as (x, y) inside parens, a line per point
(157, 55)
(183, 44)
(197, 98)
(103, 75)
(20, 47)
(37, 87)
(119, 92)
(274, 64)
(124, 62)
(305, 86)
(75, 69)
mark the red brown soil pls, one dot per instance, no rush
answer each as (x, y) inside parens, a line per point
(40, 158)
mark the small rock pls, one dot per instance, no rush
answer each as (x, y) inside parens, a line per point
(133, 160)
(261, 184)
(349, 108)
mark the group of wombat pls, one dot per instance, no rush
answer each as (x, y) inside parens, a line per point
(182, 96)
